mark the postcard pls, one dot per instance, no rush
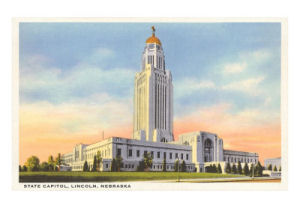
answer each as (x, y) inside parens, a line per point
(149, 104)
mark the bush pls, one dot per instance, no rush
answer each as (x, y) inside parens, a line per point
(239, 168)
(233, 169)
(44, 166)
(24, 168)
(258, 169)
(219, 169)
(270, 167)
(85, 166)
(275, 168)
(228, 168)
(183, 166)
(246, 169)
(164, 165)
(33, 163)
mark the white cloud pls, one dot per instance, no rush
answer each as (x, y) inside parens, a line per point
(233, 68)
(191, 85)
(250, 85)
(54, 84)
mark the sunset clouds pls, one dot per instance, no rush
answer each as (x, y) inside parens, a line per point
(77, 80)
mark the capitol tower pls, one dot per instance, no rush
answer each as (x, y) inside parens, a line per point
(153, 96)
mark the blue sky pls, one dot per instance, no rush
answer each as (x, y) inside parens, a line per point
(193, 51)
(76, 80)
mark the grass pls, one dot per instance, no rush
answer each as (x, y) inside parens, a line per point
(112, 176)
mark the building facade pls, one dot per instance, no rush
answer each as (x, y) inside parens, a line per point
(153, 129)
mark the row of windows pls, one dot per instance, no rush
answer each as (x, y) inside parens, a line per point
(158, 154)
(231, 159)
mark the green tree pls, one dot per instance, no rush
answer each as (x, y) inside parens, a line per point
(58, 159)
(251, 170)
(51, 163)
(246, 169)
(214, 168)
(228, 168)
(279, 168)
(275, 168)
(270, 167)
(85, 166)
(147, 161)
(20, 168)
(24, 168)
(233, 169)
(44, 166)
(219, 169)
(164, 165)
(33, 163)
(176, 166)
(239, 168)
(99, 160)
(258, 169)
(119, 163)
(141, 166)
(113, 166)
(94, 168)
(183, 166)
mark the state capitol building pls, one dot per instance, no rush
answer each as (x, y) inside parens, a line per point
(153, 129)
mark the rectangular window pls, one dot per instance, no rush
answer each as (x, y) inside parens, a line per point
(119, 151)
(187, 156)
(170, 155)
(145, 152)
(152, 154)
(158, 154)
(130, 153)
(138, 153)
(176, 155)
(182, 156)
(165, 155)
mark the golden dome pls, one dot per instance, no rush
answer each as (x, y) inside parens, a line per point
(153, 39)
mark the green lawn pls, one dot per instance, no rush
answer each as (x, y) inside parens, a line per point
(111, 176)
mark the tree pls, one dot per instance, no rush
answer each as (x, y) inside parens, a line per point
(51, 163)
(270, 167)
(20, 168)
(176, 166)
(251, 170)
(85, 166)
(147, 161)
(233, 169)
(183, 166)
(164, 165)
(99, 161)
(279, 168)
(24, 168)
(275, 168)
(246, 169)
(94, 168)
(44, 166)
(58, 160)
(214, 168)
(119, 163)
(113, 166)
(258, 169)
(33, 163)
(228, 168)
(141, 166)
(239, 168)
(219, 169)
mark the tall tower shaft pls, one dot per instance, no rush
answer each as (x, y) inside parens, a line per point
(153, 96)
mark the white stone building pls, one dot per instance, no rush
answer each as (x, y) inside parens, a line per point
(153, 128)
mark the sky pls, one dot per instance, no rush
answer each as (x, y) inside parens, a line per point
(77, 79)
